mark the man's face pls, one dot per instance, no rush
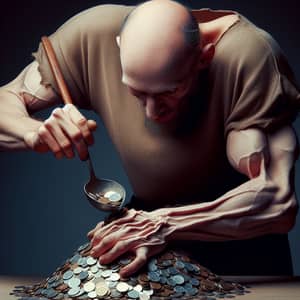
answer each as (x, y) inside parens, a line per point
(166, 100)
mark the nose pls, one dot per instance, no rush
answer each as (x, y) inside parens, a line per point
(150, 107)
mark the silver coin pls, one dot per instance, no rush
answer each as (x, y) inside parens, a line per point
(94, 269)
(112, 195)
(125, 261)
(98, 274)
(67, 275)
(115, 294)
(112, 284)
(74, 291)
(106, 273)
(178, 279)
(77, 270)
(138, 288)
(148, 292)
(73, 282)
(179, 289)
(91, 261)
(83, 247)
(133, 294)
(89, 286)
(144, 296)
(51, 293)
(122, 287)
(91, 275)
(115, 197)
(196, 282)
(153, 276)
(83, 275)
(74, 259)
(81, 292)
(82, 262)
(114, 277)
(92, 294)
(52, 279)
(115, 267)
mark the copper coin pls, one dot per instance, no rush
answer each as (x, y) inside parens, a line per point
(155, 285)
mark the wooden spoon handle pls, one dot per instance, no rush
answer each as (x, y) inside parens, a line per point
(65, 94)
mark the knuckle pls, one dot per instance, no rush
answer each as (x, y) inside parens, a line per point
(142, 258)
(57, 112)
(76, 136)
(65, 145)
(42, 131)
(49, 123)
(81, 122)
(105, 242)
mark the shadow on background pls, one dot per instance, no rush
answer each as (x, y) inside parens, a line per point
(44, 214)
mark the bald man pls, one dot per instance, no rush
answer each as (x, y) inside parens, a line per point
(199, 107)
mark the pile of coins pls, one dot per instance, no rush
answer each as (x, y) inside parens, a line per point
(170, 275)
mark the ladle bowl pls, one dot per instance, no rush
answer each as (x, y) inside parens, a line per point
(102, 186)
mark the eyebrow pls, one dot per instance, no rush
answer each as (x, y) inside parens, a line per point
(170, 89)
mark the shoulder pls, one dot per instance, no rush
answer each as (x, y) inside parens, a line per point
(247, 47)
(99, 19)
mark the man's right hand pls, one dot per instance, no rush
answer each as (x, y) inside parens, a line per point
(64, 131)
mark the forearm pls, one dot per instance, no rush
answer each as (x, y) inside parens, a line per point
(252, 209)
(15, 121)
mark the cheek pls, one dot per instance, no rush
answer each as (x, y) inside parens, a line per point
(174, 103)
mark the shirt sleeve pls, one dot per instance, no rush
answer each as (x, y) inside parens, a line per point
(265, 93)
(78, 45)
(67, 47)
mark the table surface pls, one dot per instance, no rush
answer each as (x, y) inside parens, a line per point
(261, 287)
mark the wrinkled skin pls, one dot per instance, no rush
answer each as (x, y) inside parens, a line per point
(141, 233)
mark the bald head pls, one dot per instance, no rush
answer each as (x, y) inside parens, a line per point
(156, 38)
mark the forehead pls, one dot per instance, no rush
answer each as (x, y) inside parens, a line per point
(148, 86)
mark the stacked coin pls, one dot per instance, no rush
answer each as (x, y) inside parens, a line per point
(171, 275)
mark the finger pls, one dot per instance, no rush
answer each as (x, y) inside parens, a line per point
(119, 249)
(105, 244)
(60, 137)
(81, 122)
(126, 219)
(91, 232)
(92, 125)
(73, 133)
(33, 141)
(47, 138)
(109, 230)
(136, 264)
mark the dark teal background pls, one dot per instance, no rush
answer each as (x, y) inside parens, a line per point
(44, 215)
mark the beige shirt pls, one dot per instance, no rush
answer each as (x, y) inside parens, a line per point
(249, 84)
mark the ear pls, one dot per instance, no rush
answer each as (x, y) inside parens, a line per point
(118, 40)
(206, 56)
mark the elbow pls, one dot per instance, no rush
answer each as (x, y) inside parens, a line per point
(287, 214)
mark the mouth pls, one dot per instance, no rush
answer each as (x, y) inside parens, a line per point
(164, 116)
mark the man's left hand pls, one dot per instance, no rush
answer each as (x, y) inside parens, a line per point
(138, 232)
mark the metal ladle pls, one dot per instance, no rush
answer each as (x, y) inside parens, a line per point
(96, 190)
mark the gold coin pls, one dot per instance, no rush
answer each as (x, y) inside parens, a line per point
(101, 290)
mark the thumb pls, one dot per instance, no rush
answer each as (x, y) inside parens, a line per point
(92, 125)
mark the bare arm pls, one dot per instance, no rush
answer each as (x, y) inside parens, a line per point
(265, 204)
(18, 99)
(19, 130)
